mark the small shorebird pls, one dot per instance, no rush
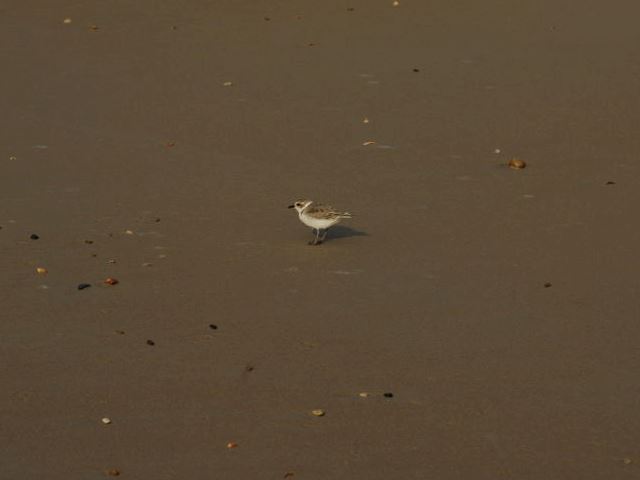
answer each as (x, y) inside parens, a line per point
(319, 217)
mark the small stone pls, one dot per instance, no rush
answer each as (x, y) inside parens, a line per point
(111, 261)
(12, 157)
(365, 120)
(128, 232)
(396, 3)
(266, 19)
(249, 368)
(41, 270)
(88, 242)
(111, 281)
(82, 286)
(106, 420)
(547, 284)
(120, 332)
(151, 343)
(34, 236)
(364, 394)
(497, 150)
(113, 472)
(416, 70)
(388, 395)
(610, 183)
(318, 412)
(94, 28)
(517, 164)
(368, 142)
(350, 9)
(232, 445)
(227, 84)
(67, 20)
(213, 326)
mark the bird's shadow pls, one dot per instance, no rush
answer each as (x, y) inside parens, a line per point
(341, 231)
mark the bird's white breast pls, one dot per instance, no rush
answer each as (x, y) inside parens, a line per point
(318, 222)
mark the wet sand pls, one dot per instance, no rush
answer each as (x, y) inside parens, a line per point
(499, 306)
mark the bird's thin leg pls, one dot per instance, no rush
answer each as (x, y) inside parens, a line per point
(324, 234)
(315, 240)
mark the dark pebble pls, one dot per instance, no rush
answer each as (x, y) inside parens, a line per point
(213, 327)
(157, 220)
(113, 472)
(33, 236)
(88, 242)
(547, 285)
(82, 286)
(350, 9)
(416, 70)
(388, 395)
(249, 368)
(266, 19)
(610, 183)
(120, 332)
(151, 342)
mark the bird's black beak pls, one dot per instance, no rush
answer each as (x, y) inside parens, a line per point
(291, 206)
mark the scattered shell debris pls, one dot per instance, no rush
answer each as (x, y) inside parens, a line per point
(365, 120)
(368, 142)
(111, 261)
(13, 157)
(318, 412)
(517, 164)
(227, 84)
(106, 420)
(41, 270)
(364, 394)
(232, 445)
(497, 150)
(67, 20)
(396, 3)
(128, 232)
(111, 281)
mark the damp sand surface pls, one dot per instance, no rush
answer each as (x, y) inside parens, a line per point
(159, 143)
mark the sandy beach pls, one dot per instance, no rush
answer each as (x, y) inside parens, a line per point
(472, 321)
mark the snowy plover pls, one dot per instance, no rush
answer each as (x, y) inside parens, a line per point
(319, 217)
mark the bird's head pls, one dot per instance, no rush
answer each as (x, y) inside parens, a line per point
(300, 205)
